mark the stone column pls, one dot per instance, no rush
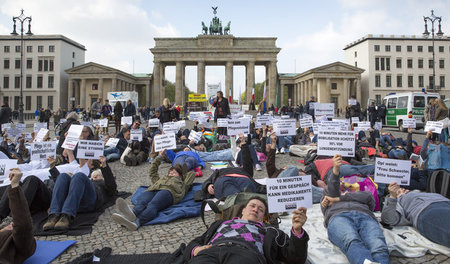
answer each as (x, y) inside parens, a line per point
(272, 82)
(147, 95)
(309, 83)
(113, 84)
(179, 82)
(183, 94)
(100, 89)
(281, 94)
(250, 72)
(162, 92)
(326, 91)
(156, 84)
(358, 91)
(83, 94)
(70, 94)
(228, 79)
(299, 94)
(314, 88)
(345, 94)
(201, 77)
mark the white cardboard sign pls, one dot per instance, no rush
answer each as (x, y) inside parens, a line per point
(435, 126)
(263, 120)
(288, 194)
(284, 127)
(40, 135)
(355, 119)
(166, 141)
(5, 166)
(409, 122)
(170, 127)
(126, 120)
(154, 122)
(43, 150)
(392, 170)
(101, 122)
(222, 122)
(196, 136)
(36, 126)
(181, 124)
(330, 143)
(324, 109)
(352, 101)
(136, 134)
(237, 126)
(72, 137)
(379, 125)
(112, 142)
(21, 127)
(306, 122)
(90, 149)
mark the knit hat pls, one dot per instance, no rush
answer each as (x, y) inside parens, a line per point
(177, 168)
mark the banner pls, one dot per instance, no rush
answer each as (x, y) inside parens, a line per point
(435, 126)
(392, 170)
(21, 127)
(288, 194)
(73, 136)
(324, 109)
(284, 127)
(197, 98)
(136, 134)
(170, 127)
(237, 126)
(43, 150)
(90, 149)
(330, 143)
(153, 122)
(166, 141)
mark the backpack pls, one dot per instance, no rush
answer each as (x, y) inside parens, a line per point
(311, 156)
(438, 182)
(232, 207)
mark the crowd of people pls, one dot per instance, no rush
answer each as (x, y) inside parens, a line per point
(65, 186)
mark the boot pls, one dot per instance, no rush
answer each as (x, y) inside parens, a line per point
(51, 221)
(63, 223)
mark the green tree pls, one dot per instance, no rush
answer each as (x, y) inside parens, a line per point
(170, 91)
(259, 92)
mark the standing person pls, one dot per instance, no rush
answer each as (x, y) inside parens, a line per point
(5, 114)
(309, 107)
(41, 115)
(118, 113)
(301, 110)
(130, 109)
(373, 114)
(382, 113)
(36, 114)
(57, 117)
(262, 107)
(96, 109)
(440, 114)
(354, 110)
(222, 111)
(106, 113)
(47, 115)
(252, 105)
(167, 112)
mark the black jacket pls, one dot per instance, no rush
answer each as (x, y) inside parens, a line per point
(130, 110)
(64, 128)
(5, 114)
(167, 114)
(277, 245)
(225, 108)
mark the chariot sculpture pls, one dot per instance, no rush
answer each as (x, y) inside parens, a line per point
(215, 26)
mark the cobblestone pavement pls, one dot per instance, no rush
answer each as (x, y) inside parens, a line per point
(167, 237)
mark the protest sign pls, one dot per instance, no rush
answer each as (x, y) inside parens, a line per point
(181, 124)
(351, 101)
(28, 136)
(73, 136)
(112, 142)
(379, 125)
(315, 128)
(237, 126)
(208, 123)
(284, 127)
(330, 143)
(40, 135)
(195, 115)
(409, 122)
(154, 122)
(90, 149)
(36, 126)
(235, 108)
(435, 126)
(21, 127)
(43, 150)
(5, 166)
(136, 134)
(306, 122)
(285, 117)
(86, 123)
(126, 120)
(324, 109)
(288, 194)
(101, 122)
(222, 122)
(170, 127)
(392, 170)
(7, 126)
(263, 120)
(355, 120)
(196, 136)
(166, 141)
(13, 132)
(417, 158)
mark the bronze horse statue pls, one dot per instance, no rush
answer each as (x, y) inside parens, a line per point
(226, 30)
(204, 29)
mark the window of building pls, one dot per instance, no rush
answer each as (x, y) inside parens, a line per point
(377, 47)
(29, 63)
(441, 48)
(45, 65)
(6, 64)
(421, 83)
(17, 82)
(392, 103)
(430, 64)
(51, 48)
(430, 48)
(410, 63)
(409, 48)
(17, 49)
(388, 81)
(73, 64)
(356, 54)
(382, 64)
(29, 49)
(51, 81)
(6, 99)
(16, 102)
(50, 65)
(333, 86)
(73, 54)
(378, 99)
(442, 81)
(40, 49)
(420, 64)
(441, 64)
(399, 81)
(6, 49)
(377, 64)
(356, 64)
(6, 82)
(388, 64)
(94, 86)
(39, 102)
(377, 81)
(17, 64)
(410, 81)
(27, 102)
(40, 65)
(50, 102)
(387, 48)
(419, 48)
(39, 82)
(399, 63)
(398, 48)
(28, 82)
(431, 81)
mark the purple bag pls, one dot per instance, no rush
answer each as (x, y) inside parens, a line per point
(354, 183)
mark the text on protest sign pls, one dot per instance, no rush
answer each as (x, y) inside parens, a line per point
(8, 125)
(237, 126)
(21, 127)
(166, 141)
(379, 125)
(90, 149)
(306, 122)
(288, 194)
(284, 127)
(126, 120)
(355, 120)
(181, 124)
(330, 143)
(101, 122)
(40, 135)
(5, 166)
(196, 136)
(13, 132)
(392, 170)
(409, 123)
(37, 126)
(351, 101)
(435, 126)
(154, 122)
(112, 142)
(73, 136)
(136, 134)
(222, 122)
(43, 150)
(263, 120)
(170, 127)
(324, 109)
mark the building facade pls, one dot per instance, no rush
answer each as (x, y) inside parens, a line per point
(45, 59)
(400, 64)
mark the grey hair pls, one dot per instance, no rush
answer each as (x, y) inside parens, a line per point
(72, 115)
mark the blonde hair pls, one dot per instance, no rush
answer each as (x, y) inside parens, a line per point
(440, 103)
(166, 102)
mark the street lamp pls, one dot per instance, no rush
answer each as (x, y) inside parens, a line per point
(22, 18)
(432, 19)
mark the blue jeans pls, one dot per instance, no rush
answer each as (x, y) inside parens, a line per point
(433, 223)
(292, 171)
(347, 170)
(150, 203)
(225, 186)
(73, 194)
(359, 237)
(190, 161)
(282, 142)
(252, 154)
(111, 153)
(219, 155)
(385, 139)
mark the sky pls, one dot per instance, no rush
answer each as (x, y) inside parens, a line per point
(119, 33)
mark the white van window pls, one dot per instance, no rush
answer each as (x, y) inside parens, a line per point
(384, 101)
(402, 102)
(392, 103)
(419, 101)
(429, 98)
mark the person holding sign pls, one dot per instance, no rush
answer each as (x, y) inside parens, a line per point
(247, 239)
(222, 110)
(72, 118)
(164, 192)
(350, 221)
(427, 212)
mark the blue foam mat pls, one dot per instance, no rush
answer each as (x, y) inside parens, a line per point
(46, 251)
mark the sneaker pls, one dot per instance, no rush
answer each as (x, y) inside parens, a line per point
(198, 172)
(121, 220)
(127, 160)
(124, 208)
(51, 221)
(258, 167)
(282, 150)
(277, 152)
(63, 222)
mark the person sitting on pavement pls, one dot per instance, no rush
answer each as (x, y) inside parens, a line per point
(427, 212)
(17, 240)
(113, 153)
(350, 221)
(77, 193)
(164, 192)
(247, 239)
